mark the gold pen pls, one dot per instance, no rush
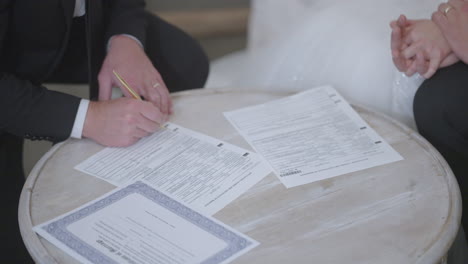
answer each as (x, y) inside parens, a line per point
(126, 85)
(130, 90)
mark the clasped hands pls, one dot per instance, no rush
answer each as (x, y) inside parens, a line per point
(122, 122)
(424, 46)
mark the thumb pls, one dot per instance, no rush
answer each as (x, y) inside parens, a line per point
(105, 86)
(440, 20)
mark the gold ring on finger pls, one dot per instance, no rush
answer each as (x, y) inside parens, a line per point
(447, 9)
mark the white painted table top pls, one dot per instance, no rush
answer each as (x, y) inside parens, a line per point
(403, 212)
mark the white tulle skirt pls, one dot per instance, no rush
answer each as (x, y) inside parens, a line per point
(342, 43)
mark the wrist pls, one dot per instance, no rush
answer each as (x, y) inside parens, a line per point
(123, 41)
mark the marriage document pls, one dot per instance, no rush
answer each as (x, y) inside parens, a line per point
(310, 136)
(138, 224)
(201, 171)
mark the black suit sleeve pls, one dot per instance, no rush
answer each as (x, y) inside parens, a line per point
(29, 110)
(34, 112)
(126, 17)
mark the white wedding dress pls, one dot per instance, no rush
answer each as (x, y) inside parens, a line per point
(300, 44)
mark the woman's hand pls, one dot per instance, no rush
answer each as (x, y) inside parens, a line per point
(452, 19)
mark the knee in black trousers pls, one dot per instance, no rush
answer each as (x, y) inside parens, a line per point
(179, 58)
(441, 115)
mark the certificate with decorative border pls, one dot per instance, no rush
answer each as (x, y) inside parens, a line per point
(138, 224)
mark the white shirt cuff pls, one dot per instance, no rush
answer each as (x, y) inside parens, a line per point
(80, 8)
(77, 130)
(127, 35)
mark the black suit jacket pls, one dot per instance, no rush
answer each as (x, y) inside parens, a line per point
(33, 38)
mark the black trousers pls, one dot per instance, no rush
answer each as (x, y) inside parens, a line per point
(11, 171)
(178, 58)
(441, 114)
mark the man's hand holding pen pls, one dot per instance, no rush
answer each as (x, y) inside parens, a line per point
(122, 122)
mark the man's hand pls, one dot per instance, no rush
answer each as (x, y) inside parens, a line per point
(452, 18)
(126, 57)
(121, 122)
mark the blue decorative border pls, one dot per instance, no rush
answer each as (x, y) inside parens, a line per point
(58, 229)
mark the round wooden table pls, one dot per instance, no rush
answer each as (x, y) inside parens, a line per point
(403, 212)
